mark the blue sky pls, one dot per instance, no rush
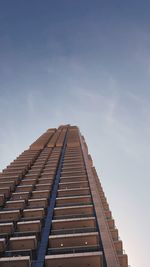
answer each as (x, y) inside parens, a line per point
(86, 63)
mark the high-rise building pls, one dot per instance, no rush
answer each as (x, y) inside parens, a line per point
(54, 212)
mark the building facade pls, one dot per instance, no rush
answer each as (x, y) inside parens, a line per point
(54, 212)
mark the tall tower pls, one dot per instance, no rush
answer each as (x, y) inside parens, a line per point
(54, 212)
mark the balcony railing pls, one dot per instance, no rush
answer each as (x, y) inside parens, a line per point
(42, 220)
(6, 235)
(24, 219)
(27, 252)
(28, 233)
(71, 216)
(66, 250)
(74, 231)
(74, 195)
(73, 204)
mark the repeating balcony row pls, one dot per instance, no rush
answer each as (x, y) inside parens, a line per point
(30, 200)
(68, 238)
(7, 189)
(28, 161)
(37, 167)
(48, 169)
(33, 155)
(23, 161)
(17, 209)
(41, 198)
(57, 244)
(30, 180)
(79, 259)
(25, 192)
(92, 254)
(74, 242)
(30, 242)
(29, 225)
(7, 185)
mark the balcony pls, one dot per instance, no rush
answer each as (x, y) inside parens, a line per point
(111, 223)
(15, 261)
(27, 181)
(49, 168)
(38, 203)
(13, 172)
(77, 178)
(12, 168)
(108, 214)
(12, 215)
(49, 172)
(92, 259)
(73, 157)
(68, 250)
(7, 179)
(10, 184)
(72, 224)
(118, 246)
(17, 164)
(45, 180)
(73, 212)
(73, 201)
(52, 161)
(73, 168)
(6, 229)
(29, 226)
(19, 204)
(74, 231)
(47, 175)
(105, 206)
(73, 192)
(26, 252)
(33, 213)
(11, 176)
(74, 184)
(75, 164)
(59, 243)
(71, 173)
(5, 191)
(34, 171)
(31, 176)
(114, 234)
(36, 168)
(40, 194)
(73, 161)
(40, 187)
(24, 188)
(20, 195)
(38, 164)
(22, 243)
(123, 259)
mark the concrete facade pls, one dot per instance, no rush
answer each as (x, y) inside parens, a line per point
(53, 210)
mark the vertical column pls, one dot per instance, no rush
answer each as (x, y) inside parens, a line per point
(108, 245)
(118, 246)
